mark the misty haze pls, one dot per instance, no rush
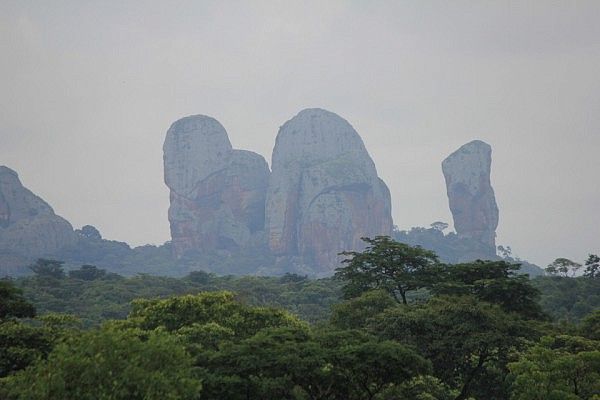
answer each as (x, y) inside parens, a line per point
(299, 200)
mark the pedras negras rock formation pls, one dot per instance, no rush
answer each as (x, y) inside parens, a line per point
(324, 193)
(217, 193)
(321, 198)
(471, 197)
(29, 228)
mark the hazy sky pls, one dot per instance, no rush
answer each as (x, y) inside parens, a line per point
(88, 90)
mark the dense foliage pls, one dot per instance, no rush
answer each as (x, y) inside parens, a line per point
(395, 324)
(95, 295)
(568, 299)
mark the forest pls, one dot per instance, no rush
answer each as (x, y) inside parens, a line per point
(392, 323)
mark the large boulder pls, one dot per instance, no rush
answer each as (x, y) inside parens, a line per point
(217, 193)
(29, 228)
(324, 193)
(471, 196)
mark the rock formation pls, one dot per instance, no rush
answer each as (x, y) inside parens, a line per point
(471, 197)
(29, 228)
(324, 193)
(217, 193)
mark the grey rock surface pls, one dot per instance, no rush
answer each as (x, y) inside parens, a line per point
(471, 196)
(324, 193)
(29, 228)
(217, 193)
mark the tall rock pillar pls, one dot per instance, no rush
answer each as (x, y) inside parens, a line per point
(471, 196)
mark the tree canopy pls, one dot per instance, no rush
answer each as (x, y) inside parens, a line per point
(12, 302)
(408, 328)
(388, 265)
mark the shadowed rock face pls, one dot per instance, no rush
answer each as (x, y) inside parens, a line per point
(471, 196)
(217, 193)
(28, 226)
(324, 193)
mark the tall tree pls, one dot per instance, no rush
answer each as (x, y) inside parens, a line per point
(388, 265)
(496, 282)
(592, 266)
(468, 341)
(48, 268)
(563, 267)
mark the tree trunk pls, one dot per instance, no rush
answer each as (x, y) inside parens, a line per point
(465, 389)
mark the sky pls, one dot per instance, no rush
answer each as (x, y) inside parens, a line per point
(88, 90)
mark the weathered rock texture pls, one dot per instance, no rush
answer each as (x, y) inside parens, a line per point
(324, 193)
(471, 196)
(217, 193)
(29, 228)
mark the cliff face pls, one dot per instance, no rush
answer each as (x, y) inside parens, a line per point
(321, 198)
(324, 193)
(471, 196)
(29, 228)
(217, 193)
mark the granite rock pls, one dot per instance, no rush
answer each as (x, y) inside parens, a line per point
(324, 193)
(217, 193)
(471, 196)
(29, 228)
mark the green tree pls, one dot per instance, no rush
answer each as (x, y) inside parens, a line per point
(89, 232)
(48, 268)
(108, 364)
(592, 266)
(439, 226)
(267, 365)
(355, 313)
(563, 267)
(496, 282)
(20, 345)
(12, 302)
(468, 341)
(200, 277)
(568, 299)
(590, 326)
(505, 251)
(558, 368)
(286, 363)
(87, 273)
(372, 366)
(422, 387)
(388, 265)
(219, 308)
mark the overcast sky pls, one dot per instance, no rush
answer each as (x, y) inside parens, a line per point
(88, 90)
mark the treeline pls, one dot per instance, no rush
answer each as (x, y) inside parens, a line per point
(94, 295)
(394, 323)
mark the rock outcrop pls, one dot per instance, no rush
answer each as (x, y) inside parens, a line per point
(217, 193)
(29, 228)
(324, 193)
(471, 196)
